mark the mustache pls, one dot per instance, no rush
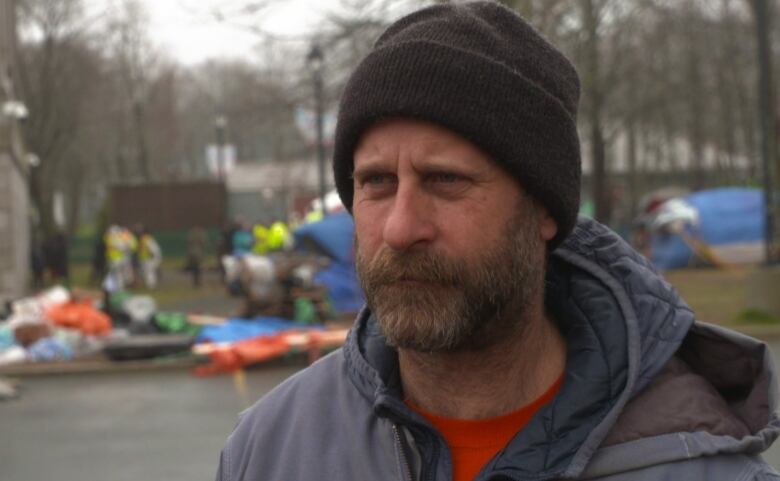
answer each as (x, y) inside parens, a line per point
(389, 267)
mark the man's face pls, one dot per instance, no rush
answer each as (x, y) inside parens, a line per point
(450, 250)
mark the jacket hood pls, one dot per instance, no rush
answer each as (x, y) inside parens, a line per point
(716, 395)
(624, 325)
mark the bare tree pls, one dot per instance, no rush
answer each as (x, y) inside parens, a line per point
(592, 13)
(668, 91)
(135, 63)
(56, 68)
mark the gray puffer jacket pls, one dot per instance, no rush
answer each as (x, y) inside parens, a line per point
(648, 394)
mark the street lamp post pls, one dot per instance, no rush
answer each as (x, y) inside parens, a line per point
(768, 147)
(220, 125)
(315, 60)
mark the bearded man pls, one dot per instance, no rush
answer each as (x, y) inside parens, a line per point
(503, 338)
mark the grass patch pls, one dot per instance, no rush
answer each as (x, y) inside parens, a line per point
(727, 296)
(757, 316)
(175, 286)
(716, 295)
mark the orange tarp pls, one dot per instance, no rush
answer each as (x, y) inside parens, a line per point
(80, 315)
(237, 355)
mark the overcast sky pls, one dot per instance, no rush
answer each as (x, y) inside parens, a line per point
(189, 33)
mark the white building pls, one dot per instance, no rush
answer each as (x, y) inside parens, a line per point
(264, 192)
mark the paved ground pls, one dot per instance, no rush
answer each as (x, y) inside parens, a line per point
(212, 298)
(218, 304)
(155, 425)
(166, 425)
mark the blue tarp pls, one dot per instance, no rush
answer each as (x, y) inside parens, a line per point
(726, 216)
(343, 286)
(237, 329)
(333, 236)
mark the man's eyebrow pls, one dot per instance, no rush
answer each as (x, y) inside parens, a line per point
(368, 167)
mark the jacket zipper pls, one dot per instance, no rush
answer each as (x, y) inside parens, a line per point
(402, 453)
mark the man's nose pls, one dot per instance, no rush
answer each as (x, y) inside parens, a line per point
(409, 221)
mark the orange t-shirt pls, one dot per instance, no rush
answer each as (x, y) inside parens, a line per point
(473, 443)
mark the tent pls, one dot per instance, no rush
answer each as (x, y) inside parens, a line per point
(721, 226)
(332, 237)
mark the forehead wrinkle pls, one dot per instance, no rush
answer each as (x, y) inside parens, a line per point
(370, 164)
(371, 156)
(426, 150)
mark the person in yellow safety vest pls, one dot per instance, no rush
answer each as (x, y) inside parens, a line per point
(261, 234)
(130, 246)
(116, 254)
(131, 241)
(149, 257)
(279, 236)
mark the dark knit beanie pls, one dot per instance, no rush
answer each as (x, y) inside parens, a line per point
(479, 70)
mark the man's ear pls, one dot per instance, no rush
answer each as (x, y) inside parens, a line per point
(548, 227)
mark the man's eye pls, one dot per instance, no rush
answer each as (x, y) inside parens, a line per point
(376, 185)
(377, 179)
(446, 177)
(447, 183)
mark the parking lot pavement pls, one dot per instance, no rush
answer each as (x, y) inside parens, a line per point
(141, 425)
(166, 425)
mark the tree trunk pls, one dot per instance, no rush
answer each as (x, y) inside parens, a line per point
(695, 106)
(142, 151)
(601, 188)
(633, 175)
(74, 199)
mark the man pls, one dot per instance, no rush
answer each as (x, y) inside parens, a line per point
(503, 338)
(197, 244)
(149, 257)
(55, 255)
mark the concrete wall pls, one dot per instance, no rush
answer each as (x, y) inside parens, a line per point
(14, 231)
(14, 208)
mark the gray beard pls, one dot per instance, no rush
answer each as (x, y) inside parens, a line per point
(425, 302)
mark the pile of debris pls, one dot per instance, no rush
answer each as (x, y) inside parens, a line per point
(62, 331)
(298, 301)
(62, 325)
